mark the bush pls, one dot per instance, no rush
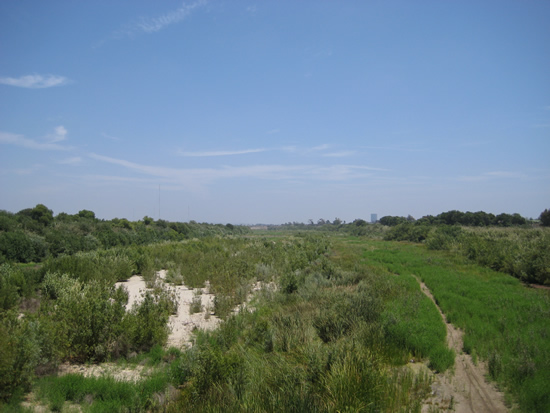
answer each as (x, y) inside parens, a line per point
(408, 231)
(89, 315)
(26, 344)
(444, 237)
(12, 283)
(545, 218)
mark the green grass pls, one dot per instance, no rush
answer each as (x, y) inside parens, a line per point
(102, 394)
(505, 323)
(347, 317)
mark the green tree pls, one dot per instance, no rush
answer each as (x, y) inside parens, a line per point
(392, 221)
(545, 218)
(42, 214)
(86, 214)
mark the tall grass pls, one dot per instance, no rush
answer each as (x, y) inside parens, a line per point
(319, 344)
(505, 323)
(334, 336)
(104, 394)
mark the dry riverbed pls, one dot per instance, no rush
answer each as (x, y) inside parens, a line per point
(183, 323)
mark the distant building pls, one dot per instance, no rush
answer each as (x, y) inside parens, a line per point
(373, 218)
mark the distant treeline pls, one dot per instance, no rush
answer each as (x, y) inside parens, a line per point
(33, 234)
(505, 242)
(470, 219)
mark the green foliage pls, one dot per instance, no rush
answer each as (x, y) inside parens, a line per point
(109, 266)
(523, 253)
(146, 323)
(444, 237)
(505, 323)
(86, 214)
(89, 315)
(12, 286)
(18, 246)
(408, 231)
(102, 394)
(26, 344)
(33, 234)
(196, 302)
(392, 221)
(545, 218)
(317, 344)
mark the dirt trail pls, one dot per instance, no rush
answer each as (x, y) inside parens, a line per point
(465, 389)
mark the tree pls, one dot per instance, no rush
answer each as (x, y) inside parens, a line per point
(545, 218)
(391, 221)
(86, 214)
(42, 214)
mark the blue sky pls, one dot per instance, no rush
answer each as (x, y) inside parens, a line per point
(275, 111)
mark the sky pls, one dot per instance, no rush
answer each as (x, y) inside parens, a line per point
(251, 112)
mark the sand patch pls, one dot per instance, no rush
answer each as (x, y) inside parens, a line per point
(182, 324)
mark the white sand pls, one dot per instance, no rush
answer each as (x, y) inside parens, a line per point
(181, 324)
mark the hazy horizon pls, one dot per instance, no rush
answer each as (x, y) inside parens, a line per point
(272, 112)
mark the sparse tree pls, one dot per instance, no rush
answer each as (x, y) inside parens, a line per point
(545, 218)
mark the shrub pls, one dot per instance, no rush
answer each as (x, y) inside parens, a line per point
(12, 283)
(196, 302)
(89, 315)
(443, 237)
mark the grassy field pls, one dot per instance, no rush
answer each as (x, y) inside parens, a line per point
(332, 329)
(506, 323)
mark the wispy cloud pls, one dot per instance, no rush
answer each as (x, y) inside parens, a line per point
(220, 153)
(492, 175)
(322, 147)
(341, 154)
(60, 134)
(27, 171)
(113, 138)
(19, 140)
(199, 177)
(155, 24)
(35, 81)
(397, 148)
(76, 160)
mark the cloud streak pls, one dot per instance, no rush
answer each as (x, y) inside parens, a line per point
(220, 153)
(154, 24)
(19, 140)
(60, 134)
(35, 81)
(76, 160)
(200, 177)
(492, 175)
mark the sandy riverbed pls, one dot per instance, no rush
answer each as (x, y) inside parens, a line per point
(182, 324)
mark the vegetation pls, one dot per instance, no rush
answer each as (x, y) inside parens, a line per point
(505, 324)
(337, 320)
(34, 234)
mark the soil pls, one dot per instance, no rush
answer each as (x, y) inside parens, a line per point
(182, 323)
(463, 388)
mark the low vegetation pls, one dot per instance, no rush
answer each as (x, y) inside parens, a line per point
(334, 326)
(506, 324)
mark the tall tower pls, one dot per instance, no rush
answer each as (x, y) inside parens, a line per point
(373, 218)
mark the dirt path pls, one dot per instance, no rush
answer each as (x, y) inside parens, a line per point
(465, 389)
